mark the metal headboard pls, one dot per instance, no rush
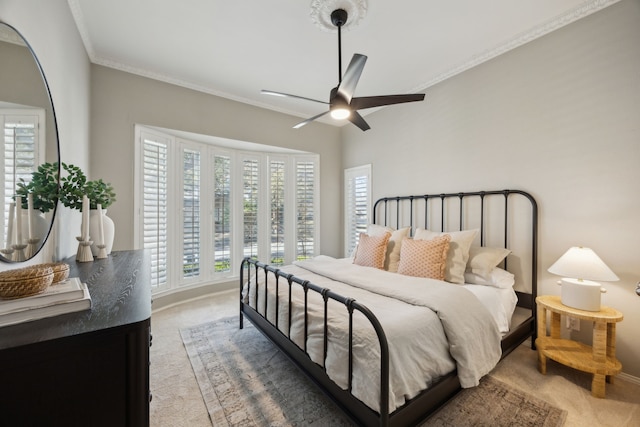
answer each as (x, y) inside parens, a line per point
(403, 211)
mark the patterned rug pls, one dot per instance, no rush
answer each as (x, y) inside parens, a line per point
(246, 381)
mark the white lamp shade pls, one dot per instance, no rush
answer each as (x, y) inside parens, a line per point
(582, 263)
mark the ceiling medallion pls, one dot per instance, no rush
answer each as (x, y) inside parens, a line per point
(321, 13)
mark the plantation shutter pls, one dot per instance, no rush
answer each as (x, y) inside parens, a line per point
(20, 156)
(222, 213)
(305, 212)
(200, 208)
(250, 182)
(155, 206)
(357, 200)
(191, 213)
(277, 195)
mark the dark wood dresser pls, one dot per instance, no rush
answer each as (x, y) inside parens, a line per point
(89, 368)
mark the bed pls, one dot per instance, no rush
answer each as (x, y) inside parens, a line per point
(387, 347)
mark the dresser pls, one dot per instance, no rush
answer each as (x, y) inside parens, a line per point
(89, 368)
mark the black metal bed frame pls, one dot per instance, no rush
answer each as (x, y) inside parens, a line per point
(427, 401)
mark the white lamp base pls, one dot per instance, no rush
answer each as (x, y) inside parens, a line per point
(581, 294)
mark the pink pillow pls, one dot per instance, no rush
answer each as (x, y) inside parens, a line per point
(424, 258)
(371, 250)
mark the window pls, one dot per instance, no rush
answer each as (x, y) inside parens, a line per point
(250, 179)
(191, 213)
(305, 198)
(234, 204)
(276, 180)
(23, 146)
(357, 182)
(222, 213)
(155, 180)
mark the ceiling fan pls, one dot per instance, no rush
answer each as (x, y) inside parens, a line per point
(342, 103)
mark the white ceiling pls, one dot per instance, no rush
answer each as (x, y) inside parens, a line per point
(235, 48)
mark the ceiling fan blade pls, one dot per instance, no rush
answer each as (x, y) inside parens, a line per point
(363, 102)
(287, 95)
(358, 120)
(347, 86)
(299, 125)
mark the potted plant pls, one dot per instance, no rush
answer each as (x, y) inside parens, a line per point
(43, 187)
(47, 186)
(73, 186)
(99, 193)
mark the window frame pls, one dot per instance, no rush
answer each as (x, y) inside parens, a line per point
(208, 275)
(350, 234)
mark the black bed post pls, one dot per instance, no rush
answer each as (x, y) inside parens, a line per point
(243, 264)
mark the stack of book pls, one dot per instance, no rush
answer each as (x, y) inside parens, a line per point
(66, 297)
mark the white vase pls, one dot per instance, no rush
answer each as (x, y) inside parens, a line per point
(94, 231)
(40, 225)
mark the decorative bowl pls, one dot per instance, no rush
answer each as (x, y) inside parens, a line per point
(24, 282)
(60, 271)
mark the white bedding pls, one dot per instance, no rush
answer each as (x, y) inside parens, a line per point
(432, 327)
(500, 302)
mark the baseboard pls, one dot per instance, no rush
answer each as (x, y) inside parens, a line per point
(168, 300)
(628, 378)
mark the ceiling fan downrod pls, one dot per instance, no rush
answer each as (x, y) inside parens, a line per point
(339, 18)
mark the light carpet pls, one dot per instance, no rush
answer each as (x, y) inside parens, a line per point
(246, 381)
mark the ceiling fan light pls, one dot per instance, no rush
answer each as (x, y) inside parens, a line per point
(340, 113)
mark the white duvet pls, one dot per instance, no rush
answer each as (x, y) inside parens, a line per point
(432, 328)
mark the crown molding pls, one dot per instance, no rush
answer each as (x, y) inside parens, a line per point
(560, 21)
(78, 17)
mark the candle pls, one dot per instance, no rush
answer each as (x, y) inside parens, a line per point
(85, 219)
(12, 212)
(30, 215)
(100, 225)
(19, 220)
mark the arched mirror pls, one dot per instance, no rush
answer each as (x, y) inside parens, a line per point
(30, 151)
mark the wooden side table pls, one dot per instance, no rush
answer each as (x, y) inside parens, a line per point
(598, 359)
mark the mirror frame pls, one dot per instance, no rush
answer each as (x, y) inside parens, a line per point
(55, 133)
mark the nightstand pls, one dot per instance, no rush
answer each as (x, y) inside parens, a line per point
(598, 359)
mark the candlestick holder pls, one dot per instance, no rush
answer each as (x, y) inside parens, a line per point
(32, 248)
(102, 251)
(18, 254)
(7, 252)
(84, 250)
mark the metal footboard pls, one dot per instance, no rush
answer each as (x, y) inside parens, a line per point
(344, 398)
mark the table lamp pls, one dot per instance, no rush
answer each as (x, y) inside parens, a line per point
(579, 267)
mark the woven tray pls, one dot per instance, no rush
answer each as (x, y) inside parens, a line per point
(24, 282)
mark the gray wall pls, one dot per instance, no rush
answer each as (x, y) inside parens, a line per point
(558, 117)
(51, 31)
(119, 100)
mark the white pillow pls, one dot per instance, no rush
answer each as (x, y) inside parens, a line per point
(458, 251)
(498, 278)
(393, 247)
(482, 260)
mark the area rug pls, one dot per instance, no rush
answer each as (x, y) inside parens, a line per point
(247, 382)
